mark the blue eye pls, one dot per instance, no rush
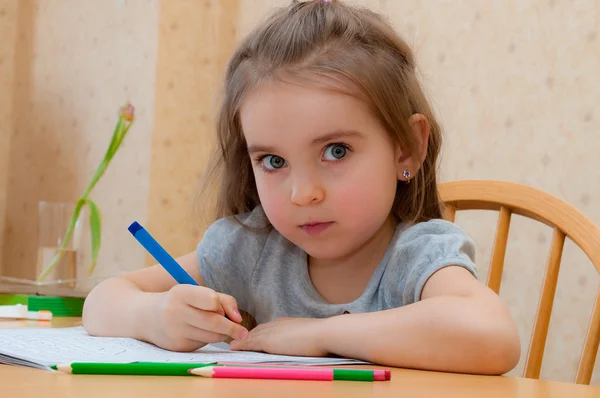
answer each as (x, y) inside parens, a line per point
(335, 152)
(273, 162)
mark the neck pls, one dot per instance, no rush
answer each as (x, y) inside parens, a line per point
(352, 271)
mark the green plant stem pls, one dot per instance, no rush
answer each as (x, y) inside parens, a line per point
(112, 148)
(119, 134)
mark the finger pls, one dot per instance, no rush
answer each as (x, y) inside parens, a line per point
(196, 334)
(198, 319)
(216, 323)
(203, 298)
(250, 344)
(237, 345)
(230, 306)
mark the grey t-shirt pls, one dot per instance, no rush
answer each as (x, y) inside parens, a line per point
(268, 275)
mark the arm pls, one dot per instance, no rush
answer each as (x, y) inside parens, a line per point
(150, 306)
(122, 305)
(459, 325)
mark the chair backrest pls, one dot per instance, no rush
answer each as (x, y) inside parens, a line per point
(566, 221)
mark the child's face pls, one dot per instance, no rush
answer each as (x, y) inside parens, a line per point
(325, 168)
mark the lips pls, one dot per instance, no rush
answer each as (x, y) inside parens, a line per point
(315, 228)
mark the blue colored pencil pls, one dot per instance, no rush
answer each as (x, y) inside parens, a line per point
(160, 254)
(165, 259)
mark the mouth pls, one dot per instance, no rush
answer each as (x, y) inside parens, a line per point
(315, 228)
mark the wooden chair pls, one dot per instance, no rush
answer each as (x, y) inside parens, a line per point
(510, 198)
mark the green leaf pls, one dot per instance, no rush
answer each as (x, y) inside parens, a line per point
(119, 136)
(115, 141)
(96, 230)
(112, 147)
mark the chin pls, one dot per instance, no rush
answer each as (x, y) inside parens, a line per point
(325, 250)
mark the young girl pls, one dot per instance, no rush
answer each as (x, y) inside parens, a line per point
(330, 231)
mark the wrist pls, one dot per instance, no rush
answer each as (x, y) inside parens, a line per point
(144, 307)
(344, 335)
(329, 336)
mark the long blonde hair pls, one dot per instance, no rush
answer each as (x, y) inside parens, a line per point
(338, 41)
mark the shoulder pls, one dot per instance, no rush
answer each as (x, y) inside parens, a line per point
(441, 234)
(431, 227)
(419, 250)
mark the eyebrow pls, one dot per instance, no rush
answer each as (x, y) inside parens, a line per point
(333, 135)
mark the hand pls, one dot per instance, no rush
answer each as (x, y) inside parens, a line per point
(188, 317)
(286, 336)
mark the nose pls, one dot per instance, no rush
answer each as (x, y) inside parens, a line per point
(306, 191)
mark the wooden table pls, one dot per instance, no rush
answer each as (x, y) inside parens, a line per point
(26, 382)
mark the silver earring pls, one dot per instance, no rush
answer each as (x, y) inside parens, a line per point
(406, 174)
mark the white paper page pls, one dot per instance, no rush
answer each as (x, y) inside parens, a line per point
(51, 346)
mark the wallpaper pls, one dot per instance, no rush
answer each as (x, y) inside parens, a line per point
(514, 84)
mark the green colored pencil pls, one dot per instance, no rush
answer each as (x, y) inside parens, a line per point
(133, 368)
(141, 368)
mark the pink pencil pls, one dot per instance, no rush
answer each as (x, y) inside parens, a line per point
(224, 372)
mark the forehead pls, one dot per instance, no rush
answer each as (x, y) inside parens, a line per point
(295, 113)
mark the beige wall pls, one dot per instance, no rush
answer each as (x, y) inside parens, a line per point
(195, 40)
(77, 62)
(8, 31)
(72, 75)
(514, 83)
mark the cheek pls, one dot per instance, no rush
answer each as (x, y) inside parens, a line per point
(272, 198)
(366, 195)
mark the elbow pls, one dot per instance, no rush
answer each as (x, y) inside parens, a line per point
(87, 318)
(502, 359)
(499, 349)
(94, 310)
(496, 345)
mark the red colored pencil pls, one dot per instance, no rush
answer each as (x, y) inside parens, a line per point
(224, 372)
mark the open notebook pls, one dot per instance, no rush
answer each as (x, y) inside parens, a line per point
(42, 348)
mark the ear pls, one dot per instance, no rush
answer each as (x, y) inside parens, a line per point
(420, 129)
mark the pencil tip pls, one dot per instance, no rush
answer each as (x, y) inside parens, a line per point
(205, 371)
(66, 368)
